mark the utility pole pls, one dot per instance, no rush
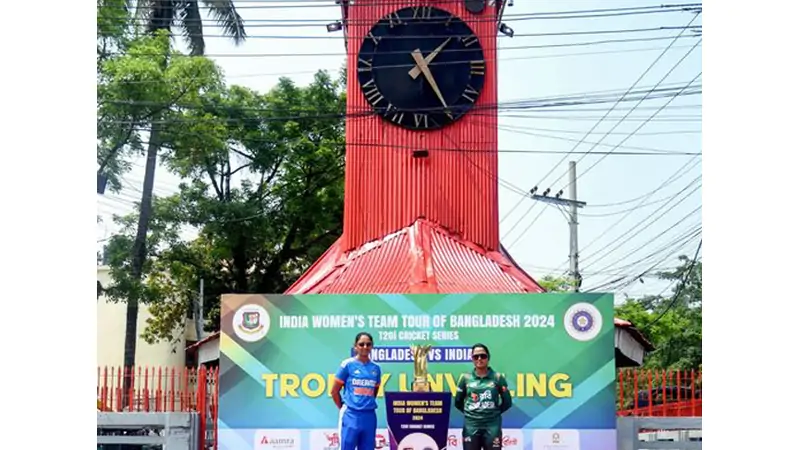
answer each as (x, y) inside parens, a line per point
(573, 204)
(573, 227)
(198, 313)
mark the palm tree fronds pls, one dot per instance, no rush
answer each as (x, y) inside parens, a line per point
(143, 10)
(160, 14)
(226, 16)
(192, 27)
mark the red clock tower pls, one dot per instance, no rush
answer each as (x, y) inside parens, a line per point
(454, 184)
(421, 213)
(421, 201)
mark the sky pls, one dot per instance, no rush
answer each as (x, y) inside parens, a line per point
(640, 209)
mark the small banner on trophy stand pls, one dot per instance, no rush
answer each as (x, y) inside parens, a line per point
(418, 420)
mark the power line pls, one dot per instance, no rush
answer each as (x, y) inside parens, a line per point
(692, 230)
(605, 116)
(522, 131)
(627, 211)
(639, 79)
(639, 229)
(644, 196)
(644, 123)
(680, 289)
(512, 18)
(695, 28)
(529, 225)
(294, 4)
(496, 108)
(589, 273)
(671, 179)
(521, 58)
(643, 246)
(343, 54)
(673, 247)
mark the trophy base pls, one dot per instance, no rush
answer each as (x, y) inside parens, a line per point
(420, 386)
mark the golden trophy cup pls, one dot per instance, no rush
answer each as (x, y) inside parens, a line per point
(420, 355)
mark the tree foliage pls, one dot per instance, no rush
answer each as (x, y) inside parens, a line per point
(137, 86)
(263, 191)
(555, 284)
(158, 61)
(674, 325)
(113, 27)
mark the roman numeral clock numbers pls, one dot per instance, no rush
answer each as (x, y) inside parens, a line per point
(420, 68)
(394, 114)
(422, 12)
(477, 68)
(375, 40)
(364, 65)
(469, 40)
(470, 94)
(394, 20)
(371, 92)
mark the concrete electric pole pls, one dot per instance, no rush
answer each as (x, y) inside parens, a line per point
(573, 227)
(573, 204)
(198, 313)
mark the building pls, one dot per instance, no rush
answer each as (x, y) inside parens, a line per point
(111, 334)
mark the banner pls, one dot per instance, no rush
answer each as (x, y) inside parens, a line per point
(279, 353)
(418, 420)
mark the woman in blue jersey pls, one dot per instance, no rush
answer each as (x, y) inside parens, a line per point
(360, 378)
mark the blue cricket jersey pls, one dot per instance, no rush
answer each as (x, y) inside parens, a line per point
(360, 383)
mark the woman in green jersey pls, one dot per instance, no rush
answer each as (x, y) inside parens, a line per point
(482, 395)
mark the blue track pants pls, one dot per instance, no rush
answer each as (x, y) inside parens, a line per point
(357, 429)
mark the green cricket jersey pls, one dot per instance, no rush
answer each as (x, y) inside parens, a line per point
(482, 399)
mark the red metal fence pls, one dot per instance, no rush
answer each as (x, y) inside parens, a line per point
(163, 390)
(672, 393)
(640, 392)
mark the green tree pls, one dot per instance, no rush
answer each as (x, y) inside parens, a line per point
(137, 90)
(556, 284)
(113, 27)
(674, 324)
(160, 15)
(264, 190)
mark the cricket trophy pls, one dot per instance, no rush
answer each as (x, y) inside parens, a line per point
(423, 411)
(419, 354)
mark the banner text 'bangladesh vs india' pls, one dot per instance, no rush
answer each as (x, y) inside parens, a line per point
(279, 353)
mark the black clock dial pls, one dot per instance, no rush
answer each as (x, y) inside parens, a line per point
(421, 68)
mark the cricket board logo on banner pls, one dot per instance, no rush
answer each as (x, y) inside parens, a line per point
(324, 440)
(251, 323)
(454, 439)
(583, 321)
(277, 439)
(512, 439)
(556, 440)
(381, 439)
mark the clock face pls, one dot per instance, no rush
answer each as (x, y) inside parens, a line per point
(421, 68)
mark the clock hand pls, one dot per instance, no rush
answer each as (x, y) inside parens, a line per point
(423, 66)
(415, 72)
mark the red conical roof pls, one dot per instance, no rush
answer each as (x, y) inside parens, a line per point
(421, 258)
(424, 257)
